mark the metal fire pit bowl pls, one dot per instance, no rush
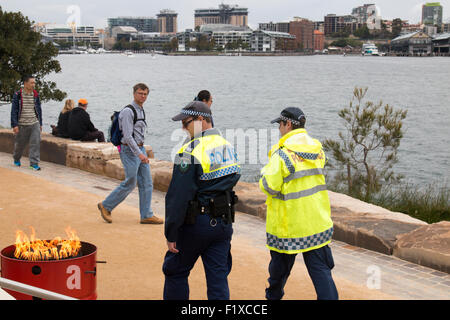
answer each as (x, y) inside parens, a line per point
(73, 277)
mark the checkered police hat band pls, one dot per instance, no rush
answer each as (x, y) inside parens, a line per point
(195, 113)
(295, 122)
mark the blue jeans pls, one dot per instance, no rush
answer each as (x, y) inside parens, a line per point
(138, 173)
(319, 263)
(213, 244)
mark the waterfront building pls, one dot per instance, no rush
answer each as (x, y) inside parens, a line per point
(167, 21)
(142, 24)
(368, 14)
(441, 44)
(432, 14)
(227, 33)
(416, 43)
(122, 32)
(319, 40)
(225, 14)
(303, 30)
(154, 40)
(430, 30)
(410, 28)
(267, 41)
(445, 27)
(283, 27)
(185, 39)
(64, 33)
(319, 25)
(337, 24)
(269, 26)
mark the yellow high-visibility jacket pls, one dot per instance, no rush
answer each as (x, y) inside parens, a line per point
(298, 207)
(215, 154)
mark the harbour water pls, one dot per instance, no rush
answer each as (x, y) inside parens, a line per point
(248, 92)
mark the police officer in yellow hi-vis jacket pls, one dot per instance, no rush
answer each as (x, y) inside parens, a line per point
(200, 207)
(298, 208)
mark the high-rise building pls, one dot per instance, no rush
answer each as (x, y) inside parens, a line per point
(142, 24)
(336, 24)
(368, 14)
(432, 14)
(167, 22)
(303, 30)
(277, 27)
(225, 14)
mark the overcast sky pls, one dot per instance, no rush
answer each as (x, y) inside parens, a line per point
(96, 12)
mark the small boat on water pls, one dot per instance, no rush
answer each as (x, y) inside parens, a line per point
(129, 54)
(370, 49)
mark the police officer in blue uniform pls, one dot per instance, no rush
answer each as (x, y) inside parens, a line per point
(200, 207)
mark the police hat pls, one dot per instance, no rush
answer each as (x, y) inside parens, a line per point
(292, 114)
(194, 108)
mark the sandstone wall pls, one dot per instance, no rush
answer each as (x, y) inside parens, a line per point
(355, 222)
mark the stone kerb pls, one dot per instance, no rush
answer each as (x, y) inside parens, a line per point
(91, 156)
(428, 246)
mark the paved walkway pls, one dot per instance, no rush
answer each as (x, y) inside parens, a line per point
(368, 274)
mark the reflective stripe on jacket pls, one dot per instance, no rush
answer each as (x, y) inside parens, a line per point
(298, 207)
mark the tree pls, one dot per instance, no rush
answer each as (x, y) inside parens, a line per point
(366, 153)
(397, 25)
(23, 53)
(363, 32)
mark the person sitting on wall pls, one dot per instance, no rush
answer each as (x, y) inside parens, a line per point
(80, 125)
(62, 128)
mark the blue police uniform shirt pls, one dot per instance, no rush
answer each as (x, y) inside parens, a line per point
(185, 186)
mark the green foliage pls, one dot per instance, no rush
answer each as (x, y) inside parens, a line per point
(430, 203)
(343, 42)
(22, 53)
(363, 33)
(365, 154)
(203, 44)
(397, 26)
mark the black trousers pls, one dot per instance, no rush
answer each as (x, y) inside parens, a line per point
(319, 263)
(94, 135)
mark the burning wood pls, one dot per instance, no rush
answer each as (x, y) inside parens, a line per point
(33, 249)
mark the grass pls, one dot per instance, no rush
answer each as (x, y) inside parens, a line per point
(430, 204)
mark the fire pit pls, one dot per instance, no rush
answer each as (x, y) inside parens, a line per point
(67, 267)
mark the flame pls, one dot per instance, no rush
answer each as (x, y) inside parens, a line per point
(34, 249)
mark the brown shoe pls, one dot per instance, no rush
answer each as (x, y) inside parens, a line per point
(106, 215)
(152, 220)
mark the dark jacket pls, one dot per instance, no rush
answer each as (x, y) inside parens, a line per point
(63, 125)
(79, 123)
(17, 104)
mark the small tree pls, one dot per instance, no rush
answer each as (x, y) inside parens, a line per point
(22, 52)
(366, 153)
(397, 25)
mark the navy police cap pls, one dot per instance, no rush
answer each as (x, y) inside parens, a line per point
(194, 108)
(292, 114)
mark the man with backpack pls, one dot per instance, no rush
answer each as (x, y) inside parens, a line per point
(135, 162)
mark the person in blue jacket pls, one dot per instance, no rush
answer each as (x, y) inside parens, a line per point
(26, 122)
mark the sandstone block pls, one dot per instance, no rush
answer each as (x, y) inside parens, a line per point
(90, 156)
(428, 246)
(251, 199)
(114, 169)
(365, 231)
